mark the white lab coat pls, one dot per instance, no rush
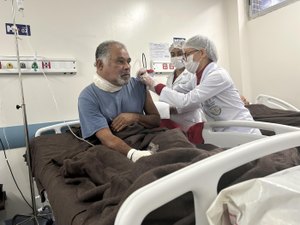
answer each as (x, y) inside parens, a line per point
(216, 95)
(184, 83)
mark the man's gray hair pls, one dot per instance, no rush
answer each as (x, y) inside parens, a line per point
(103, 50)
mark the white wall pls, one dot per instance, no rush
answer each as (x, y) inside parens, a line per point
(255, 52)
(238, 45)
(264, 52)
(270, 53)
(75, 28)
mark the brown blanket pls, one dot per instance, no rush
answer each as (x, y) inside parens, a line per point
(87, 185)
(264, 113)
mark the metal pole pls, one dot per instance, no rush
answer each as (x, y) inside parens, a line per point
(28, 156)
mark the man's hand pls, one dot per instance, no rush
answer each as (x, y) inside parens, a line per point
(123, 120)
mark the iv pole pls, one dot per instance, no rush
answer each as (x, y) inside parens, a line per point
(35, 214)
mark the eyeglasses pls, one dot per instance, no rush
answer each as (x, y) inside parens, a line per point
(187, 54)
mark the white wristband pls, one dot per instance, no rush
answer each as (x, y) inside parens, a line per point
(130, 153)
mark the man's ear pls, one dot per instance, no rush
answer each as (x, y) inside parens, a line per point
(99, 64)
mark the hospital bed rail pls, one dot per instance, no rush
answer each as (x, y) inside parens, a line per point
(152, 196)
(218, 138)
(274, 102)
(232, 139)
(56, 128)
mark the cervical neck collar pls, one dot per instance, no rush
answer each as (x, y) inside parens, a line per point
(105, 85)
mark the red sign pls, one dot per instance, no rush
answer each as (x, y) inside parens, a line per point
(165, 66)
(46, 65)
(171, 66)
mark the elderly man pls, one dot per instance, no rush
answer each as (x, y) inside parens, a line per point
(115, 100)
(215, 92)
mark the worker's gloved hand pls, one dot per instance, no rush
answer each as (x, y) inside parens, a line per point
(135, 155)
(141, 72)
(144, 76)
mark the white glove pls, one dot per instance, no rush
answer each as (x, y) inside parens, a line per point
(141, 72)
(135, 155)
(147, 79)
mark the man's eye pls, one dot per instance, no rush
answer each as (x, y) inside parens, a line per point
(121, 61)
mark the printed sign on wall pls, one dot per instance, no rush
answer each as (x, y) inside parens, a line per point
(178, 39)
(159, 52)
(22, 29)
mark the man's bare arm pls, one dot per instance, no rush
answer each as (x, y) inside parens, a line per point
(108, 139)
(150, 120)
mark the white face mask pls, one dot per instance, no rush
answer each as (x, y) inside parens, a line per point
(191, 65)
(177, 62)
(105, 85)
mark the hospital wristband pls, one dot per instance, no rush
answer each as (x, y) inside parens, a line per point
(130, 153)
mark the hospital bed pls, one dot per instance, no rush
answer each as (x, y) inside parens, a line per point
(261, 99)
(274, 102)
(77, 200)
(274, 110)
(156, 194)
(266, 109)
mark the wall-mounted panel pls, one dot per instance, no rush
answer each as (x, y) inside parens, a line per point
(37, 65)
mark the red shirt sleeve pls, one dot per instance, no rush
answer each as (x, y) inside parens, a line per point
(158, 88)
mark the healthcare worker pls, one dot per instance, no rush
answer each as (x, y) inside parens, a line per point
(215, 92)
(182, 81)
(180, 76)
